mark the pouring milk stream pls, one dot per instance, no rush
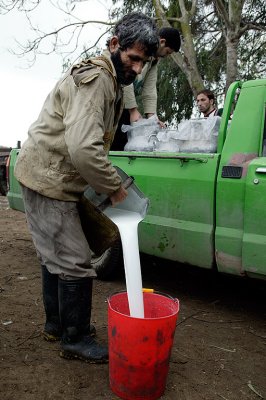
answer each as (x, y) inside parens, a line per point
(127, 223)
(126, 216)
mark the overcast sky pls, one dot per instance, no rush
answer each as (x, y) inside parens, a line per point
(23, 89)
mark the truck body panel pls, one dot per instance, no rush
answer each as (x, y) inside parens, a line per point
(14, 195)
(205, 209)
(254, 235)
(243, 143)
(180, 220)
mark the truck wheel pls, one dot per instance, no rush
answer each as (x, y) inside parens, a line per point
(2, 188)
(109, 263)
(3, 183)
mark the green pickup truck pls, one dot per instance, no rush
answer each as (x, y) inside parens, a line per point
(206, 209)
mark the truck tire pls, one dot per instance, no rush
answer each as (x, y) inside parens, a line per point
(109, 264)
(3, 183)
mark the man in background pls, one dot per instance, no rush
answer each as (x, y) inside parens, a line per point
(145, 86)
(206, 103)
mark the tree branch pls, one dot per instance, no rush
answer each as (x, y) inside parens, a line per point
(251, 26)
(222, 11)
(159, 11)
(193, 8)
(8, 6)
(34, 44)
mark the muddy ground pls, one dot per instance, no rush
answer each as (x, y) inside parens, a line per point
(220, 340)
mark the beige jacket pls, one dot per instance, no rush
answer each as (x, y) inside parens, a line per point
(67, 147)
(144, 84)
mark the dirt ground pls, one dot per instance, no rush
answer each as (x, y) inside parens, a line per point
(220, 339)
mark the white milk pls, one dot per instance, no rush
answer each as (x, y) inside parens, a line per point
(127, 223)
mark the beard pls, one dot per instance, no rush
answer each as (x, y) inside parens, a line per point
(124, 76)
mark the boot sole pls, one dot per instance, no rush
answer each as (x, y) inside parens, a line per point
(71, 356)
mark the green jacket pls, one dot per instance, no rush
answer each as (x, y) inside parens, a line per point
(67, 147)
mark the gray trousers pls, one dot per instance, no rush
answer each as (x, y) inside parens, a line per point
(57, 235)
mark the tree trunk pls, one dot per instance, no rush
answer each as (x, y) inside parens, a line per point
(232, 40)
(231, 20)
(187, 66)
(231, 60)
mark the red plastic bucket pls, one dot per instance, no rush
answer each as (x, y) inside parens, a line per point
(140, 349)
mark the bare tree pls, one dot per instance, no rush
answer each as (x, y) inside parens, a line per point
(234, 26)
(222, 40)
(70, 40)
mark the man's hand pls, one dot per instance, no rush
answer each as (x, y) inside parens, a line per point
(134, 115)
(118, 196)
(162, 124)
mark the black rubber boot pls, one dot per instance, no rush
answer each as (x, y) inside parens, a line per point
(52, 328)
(75, 313)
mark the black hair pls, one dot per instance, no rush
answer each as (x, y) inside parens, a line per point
(172, 37)
(135, 28)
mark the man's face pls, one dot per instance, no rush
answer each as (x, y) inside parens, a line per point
(128, 63)
(204, 103)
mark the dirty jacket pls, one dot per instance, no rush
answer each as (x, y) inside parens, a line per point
(67, 147)
(144, 84)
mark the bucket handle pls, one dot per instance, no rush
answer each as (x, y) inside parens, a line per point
(148, 290)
